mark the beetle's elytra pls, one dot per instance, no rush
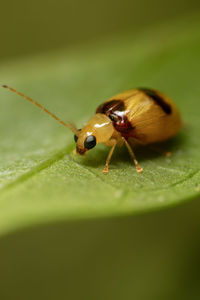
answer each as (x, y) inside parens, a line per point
(138, 116)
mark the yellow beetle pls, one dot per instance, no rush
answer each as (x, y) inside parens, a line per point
(139, 116)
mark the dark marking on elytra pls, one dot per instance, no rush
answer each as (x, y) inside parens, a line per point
(110, 106)
(158, 99)
(115, 110)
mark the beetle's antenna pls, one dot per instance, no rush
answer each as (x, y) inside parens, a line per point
(70, 126)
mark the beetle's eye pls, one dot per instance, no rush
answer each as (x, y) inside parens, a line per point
(90, 142)
(75, 136)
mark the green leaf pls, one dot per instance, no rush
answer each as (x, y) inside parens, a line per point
(42, 180)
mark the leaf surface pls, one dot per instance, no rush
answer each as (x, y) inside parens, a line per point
(40, 178)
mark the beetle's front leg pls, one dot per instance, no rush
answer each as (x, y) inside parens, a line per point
(132, 154)
(112, 143)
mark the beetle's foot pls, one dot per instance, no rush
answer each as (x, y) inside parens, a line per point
(105, 170)
(160, 151)
(168, 154)
(139, 169)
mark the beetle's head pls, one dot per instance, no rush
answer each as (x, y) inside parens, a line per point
(98, 129)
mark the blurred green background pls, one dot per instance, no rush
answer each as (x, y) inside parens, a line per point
(153, 256)
(34, 26)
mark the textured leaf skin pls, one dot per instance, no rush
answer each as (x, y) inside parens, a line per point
(40, 178)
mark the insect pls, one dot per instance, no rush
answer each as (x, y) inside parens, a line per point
(138, 116)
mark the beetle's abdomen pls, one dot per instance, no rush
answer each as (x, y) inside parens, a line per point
(144, 114)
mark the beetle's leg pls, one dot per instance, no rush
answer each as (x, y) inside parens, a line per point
(160, 151)
(105, 170)
(154, 148)
(130, 150)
